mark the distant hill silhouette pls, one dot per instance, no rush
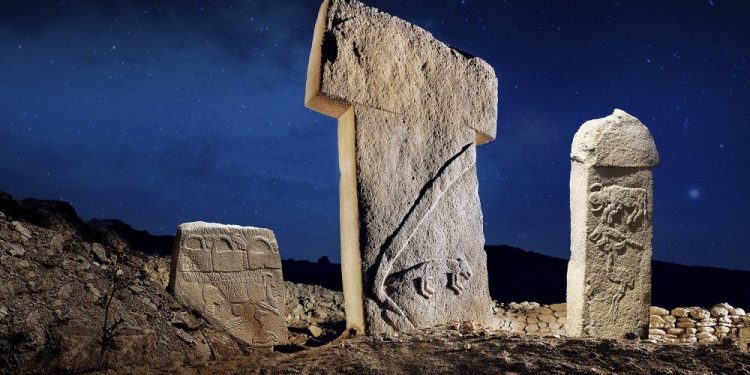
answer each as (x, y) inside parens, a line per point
(138, 240)
(515, 275)
(305, 272)
(519, 275)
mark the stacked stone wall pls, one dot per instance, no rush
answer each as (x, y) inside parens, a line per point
(679, 325)
(532, 318)
(695, 324)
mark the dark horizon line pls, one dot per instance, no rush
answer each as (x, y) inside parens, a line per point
(486, 246)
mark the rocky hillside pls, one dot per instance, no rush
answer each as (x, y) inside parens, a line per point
(82, 297)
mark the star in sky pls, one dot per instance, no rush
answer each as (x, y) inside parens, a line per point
(694, 193)
(166, 111)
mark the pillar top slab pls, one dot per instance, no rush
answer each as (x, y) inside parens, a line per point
(361, 56)
(618, 140)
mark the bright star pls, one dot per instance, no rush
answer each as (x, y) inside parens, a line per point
(694, 193)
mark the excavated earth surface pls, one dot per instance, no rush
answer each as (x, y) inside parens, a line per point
(455, 353)
(57, 274)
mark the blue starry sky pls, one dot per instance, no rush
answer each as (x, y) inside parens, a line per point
(161, 112)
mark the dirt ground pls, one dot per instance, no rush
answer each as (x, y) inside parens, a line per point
(450, 352)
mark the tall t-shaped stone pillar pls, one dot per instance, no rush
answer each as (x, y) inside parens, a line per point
(611, 205)
(410, 111)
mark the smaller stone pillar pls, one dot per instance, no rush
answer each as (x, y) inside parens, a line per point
(611, 205)
(232, 276)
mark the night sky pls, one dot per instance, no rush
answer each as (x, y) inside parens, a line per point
(162, 112)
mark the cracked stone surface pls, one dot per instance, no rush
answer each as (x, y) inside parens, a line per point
(423, 257)
(611, 205)
(232, 276)
(411, 111)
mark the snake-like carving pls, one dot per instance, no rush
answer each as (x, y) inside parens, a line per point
(626, 208)
(431, 194)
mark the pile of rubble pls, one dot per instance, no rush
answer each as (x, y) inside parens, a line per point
(314, 310)
(78, 298)
(72, 301)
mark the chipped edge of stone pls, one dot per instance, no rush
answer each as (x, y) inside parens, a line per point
(195, 225)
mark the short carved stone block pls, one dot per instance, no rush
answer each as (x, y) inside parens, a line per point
(232, 276)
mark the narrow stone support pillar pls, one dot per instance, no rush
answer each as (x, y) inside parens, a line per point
(611, 206)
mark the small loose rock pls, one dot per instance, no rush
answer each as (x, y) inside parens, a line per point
(16, 250)
(99, 253)
(315, 330)
(21, 229)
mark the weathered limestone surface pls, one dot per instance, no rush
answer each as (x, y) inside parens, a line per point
(411, 111)
(695, 324)
(423, 254)
(611, 203)
(232, 276)
(364, 57)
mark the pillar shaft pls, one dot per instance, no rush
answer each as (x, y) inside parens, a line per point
(611, 208)
(411, 111)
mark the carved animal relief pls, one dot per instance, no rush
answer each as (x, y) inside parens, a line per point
(442, 273)
(609, 273)
(621, 212)
(232, 275)
(449, 273)
(411, 111)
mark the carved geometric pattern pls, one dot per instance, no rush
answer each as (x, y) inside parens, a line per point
(232, 275)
